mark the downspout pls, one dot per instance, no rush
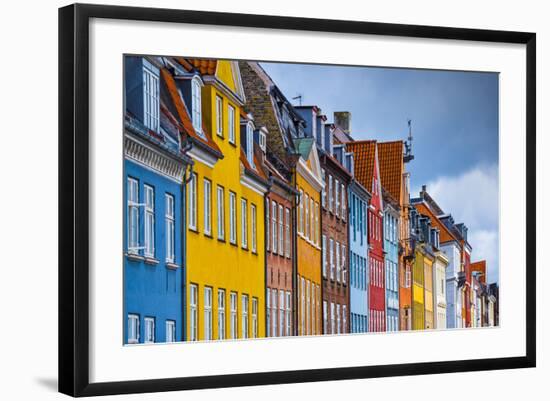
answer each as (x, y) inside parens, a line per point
(266, 234)
(295, 258)
(186, 180)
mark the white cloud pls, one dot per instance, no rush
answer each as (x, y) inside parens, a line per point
(472, 198)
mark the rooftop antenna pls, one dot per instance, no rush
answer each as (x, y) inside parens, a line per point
(408, 156)
(299, 97)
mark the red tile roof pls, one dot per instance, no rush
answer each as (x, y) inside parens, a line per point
(480, 266)
(184, 63)
(445, 234)
(205, 66)
(364, 157)
(390, 160)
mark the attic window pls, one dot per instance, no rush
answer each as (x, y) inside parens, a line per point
(196, 104)
(151, 103)
(250, 143)
(262, 140)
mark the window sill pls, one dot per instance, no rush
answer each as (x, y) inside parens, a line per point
(232, 144)
(151, 261)
(172, 266)
(208, 235)
(233, 244)
(244, 248)
(221, 240)
(193, 230)
(134, 257)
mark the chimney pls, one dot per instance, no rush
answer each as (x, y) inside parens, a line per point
(343, 120)
(423, 189)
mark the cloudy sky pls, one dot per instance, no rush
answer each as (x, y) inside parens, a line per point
(455, 129)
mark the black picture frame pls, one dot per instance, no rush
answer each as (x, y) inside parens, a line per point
(74, 198)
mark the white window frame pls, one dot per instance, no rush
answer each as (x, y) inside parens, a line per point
(332, 318)
(192, 203)
(232, 217)
(221, 314)
(337, 196)
(254, 317)
(268, 312)
(324, 191)
(281, 313)
(306, 233)
(287, 232)
(193, 312)
(250, 143)
(338, 319)
(316, 224)
(274, 313)
(281, 231)
(308, 307)
(244, 316)
(325, 317)
(344, 319)
(233, 322)
(151, 96)
(196, 104)
(219, 115)
(253, 227)
(149, 330)
(170, 223)
(312, 220)
(313, 294)
(343, 266)
(133, 215)
(331, 257)
(343, 201)
(330, 195)
(220, 207)
(149, 243)
(133, 328)
(244, 223)
(231, 123)
(267, 224)
(303, 305)
(338, 260)
(274, 241)
(288, 312)
(301, 214)
(207, 206)
(324, 255)
(208, 318)
(170, 330)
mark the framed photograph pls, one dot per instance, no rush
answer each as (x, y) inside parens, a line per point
(251, 199)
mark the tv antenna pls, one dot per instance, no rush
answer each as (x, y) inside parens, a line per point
(299, 97)
(408, 156)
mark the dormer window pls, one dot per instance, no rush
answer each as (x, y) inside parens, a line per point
(196, 86)
(262, 140)
(250, 143)
(151, 103)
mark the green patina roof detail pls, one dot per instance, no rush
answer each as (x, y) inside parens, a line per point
(303, 146)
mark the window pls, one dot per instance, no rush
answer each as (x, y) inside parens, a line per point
(325, 317)
(316, 224)
(274, 226)
(330, 194)
(344, 319)
(331, 257)
(221, 314)
(207, 200)
(332, 319)
(244, 316)
(221, 212)
(312, 309)
(281, 313)
(133, 329)
(193, 315)
(338, 319)
(324, 191)
(303, 306)
(192, 202)
(281, 233)
(288, 312)
(133, 216)
(254, 238)
(274, 331)
(207, 313)
(196, 104)
(219, 116)
(151, 104)
(231, 123)
(301, 214)
(338, 260)
(149, 221)
(268, 312)
(344, 270)
(170, 228)
(233, 317)
(244, 223)
(307, 217)
(232, 217)
(337, 196)
(254, 317)
(308, 308)
(312, 220)
(267, 222)
(343, 194)
(170, 331)
(149, 330)
(250, 144)
(287, 232)
(324, 253)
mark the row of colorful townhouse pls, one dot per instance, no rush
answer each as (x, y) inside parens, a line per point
(247, 216)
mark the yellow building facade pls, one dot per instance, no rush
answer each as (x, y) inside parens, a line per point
(225, 277)
(428, 292)
(418, 292)
(309, 184)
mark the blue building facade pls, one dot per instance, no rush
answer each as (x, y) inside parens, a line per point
(154, 198)
(391, 263)
(358, 199)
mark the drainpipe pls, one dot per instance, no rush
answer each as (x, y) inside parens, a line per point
(295, 254)
(183, 219)
(266, 234)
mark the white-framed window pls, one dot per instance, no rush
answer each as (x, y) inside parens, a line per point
(219, 115)
(306, 216)
(221, 314)
(254, 237)
(331, 257)
(344, 319)
(233, 317)
(324, 255)
(301, 214)
(151, 102)
(244, 223)
(250, 143)
(170, 329)
(274, 310)
(281, 232)
(325, 317)
(308, 307)
(268, 311)
(267, 224)
(133, 328)
(344, 201)
(330, 194)
(220, 212)
(338, 260)
(338, 319)
(332, 318)
(170, 223)
(231, 123)
(207, 313)
(312, 220)
(316, 224)
(232, 217)
(149, 330)
(207, 204)
(324, 192)
(313, 314)
(133, 216)
(274, 227)
(337, 196)
(344, 269)
(193, 313)
(192, 203)
(149, 221)
(196, 106)
(288, 313)
(281, 313)
(287, 232)
(244, 316)
(302, 306)
(254, 317)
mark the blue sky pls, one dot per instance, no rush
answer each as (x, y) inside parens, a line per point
(455, 129)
